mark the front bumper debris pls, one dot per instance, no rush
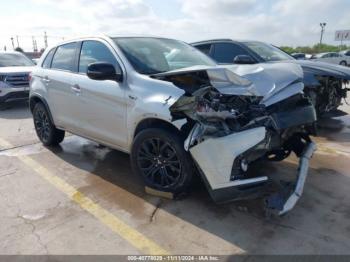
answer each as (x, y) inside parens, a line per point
(282, 202)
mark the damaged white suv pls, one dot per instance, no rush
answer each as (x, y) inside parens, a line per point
(176, 112)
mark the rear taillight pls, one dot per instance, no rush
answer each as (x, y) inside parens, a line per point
(30, 77)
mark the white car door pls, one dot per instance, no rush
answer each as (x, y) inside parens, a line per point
(103, 103)
(326, 58)
(347, 57)
(335, 58)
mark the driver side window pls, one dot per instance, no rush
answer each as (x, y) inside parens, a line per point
(224, 53)
(92, 52)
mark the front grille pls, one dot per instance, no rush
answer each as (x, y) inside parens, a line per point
(17, 80)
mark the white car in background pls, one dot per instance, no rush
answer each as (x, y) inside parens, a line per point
(345, 53)
(332, 57)
(14, 76)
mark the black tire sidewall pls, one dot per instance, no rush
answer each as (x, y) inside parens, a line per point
(50, 140)
(175, 140)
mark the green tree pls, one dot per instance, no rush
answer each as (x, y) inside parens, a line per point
(19, 49)
(314, 49)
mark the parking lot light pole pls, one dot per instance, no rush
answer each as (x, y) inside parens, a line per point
(323, 25)
(13, 44)
(45, 39)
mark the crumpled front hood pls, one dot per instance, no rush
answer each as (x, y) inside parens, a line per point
(16, 69)
(263, 80)
(269, 79)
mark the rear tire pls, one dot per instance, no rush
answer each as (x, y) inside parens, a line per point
(159, 157)
(46, 131)
(343, 63)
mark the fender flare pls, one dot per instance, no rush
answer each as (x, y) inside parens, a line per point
(35, 98)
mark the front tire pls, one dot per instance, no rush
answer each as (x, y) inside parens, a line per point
(159, 157)
(46, 131)
(343, 63)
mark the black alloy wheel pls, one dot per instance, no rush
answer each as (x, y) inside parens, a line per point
(48, 134)
(159, 163)
(42, 125)
(159, 157)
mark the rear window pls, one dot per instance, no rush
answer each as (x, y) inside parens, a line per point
(64, 57)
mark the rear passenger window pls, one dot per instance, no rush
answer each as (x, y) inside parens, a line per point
(92, 52)
(48, 59)
(64, 57)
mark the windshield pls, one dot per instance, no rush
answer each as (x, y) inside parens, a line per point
(155, 55)
(14, 60)
(268, 52)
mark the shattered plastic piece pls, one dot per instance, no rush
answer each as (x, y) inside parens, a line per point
(158, 193)
(283, 202)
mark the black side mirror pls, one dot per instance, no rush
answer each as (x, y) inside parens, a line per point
(243, 59)
(104, 71)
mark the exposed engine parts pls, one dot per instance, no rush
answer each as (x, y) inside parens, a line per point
(230, 126)
(217, 114)
(329, 95)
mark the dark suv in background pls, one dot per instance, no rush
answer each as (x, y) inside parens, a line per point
(324, 83)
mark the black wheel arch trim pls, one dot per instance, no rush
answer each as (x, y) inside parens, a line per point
(33, 99)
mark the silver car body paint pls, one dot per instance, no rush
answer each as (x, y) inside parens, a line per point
(215, 156)
(140, 97)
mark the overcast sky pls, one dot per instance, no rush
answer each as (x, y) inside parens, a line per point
(281, 22)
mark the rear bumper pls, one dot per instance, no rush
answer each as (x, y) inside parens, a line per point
(14, 96)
